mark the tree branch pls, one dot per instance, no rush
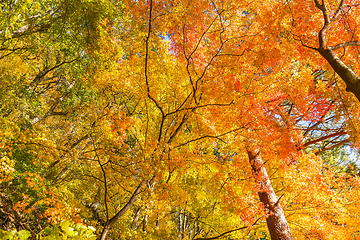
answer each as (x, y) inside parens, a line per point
(223, 234)
(332, 146)
(119, 214)
(147, 74)
(209, 136)
(346, 44)
(323, 138)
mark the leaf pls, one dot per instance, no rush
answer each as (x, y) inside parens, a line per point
(23, 234)
(97, 97)
(69, 231)
(49, 230)
(65, 224)
(6, 235)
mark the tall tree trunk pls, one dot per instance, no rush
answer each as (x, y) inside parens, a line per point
(276, 221)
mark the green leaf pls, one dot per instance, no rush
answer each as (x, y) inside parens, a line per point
(69, 231)
(79, 226)
(24, 234)
(92, 237)
(5, 235)
(49, 230)
(48, 238)
(65, 224)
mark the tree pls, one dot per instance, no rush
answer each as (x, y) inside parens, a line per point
(163, 120)
(338, 18)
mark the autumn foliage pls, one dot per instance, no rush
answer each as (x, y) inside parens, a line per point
(181, 119)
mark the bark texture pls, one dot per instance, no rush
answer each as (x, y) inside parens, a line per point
(276, 221)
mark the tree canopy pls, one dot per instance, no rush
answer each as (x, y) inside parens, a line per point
(164, 119)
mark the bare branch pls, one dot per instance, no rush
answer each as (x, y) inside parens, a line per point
(298, 38)
(185, 117)
(209, 136)
(119, 214)
(322, 7)
(105, 182)
(341, 5)
(346, 44)
(221, 235)
(201, 106)
(146, 73)
(324, 138)
(41, 74)
(333, 146)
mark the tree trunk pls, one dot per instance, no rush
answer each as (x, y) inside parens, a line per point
(276, 221)
(136, 218)
(351, 79)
